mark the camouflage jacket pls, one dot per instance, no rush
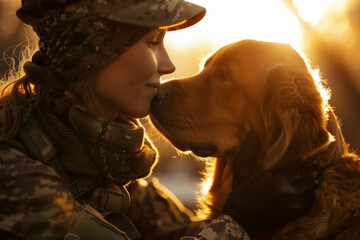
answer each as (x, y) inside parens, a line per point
(36, 203)
(158, 214)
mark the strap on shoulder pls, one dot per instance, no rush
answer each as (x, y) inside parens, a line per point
(110, 200)
(35, 143)
(84, 184)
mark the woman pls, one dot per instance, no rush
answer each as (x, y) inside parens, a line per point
(70, 141)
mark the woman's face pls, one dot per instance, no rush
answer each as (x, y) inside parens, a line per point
(130, 82)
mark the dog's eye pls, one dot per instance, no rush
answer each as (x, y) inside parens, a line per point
(221, 75)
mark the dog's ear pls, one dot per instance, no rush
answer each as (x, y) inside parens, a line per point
(294, 118)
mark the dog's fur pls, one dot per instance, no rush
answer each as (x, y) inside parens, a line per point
(267, 88)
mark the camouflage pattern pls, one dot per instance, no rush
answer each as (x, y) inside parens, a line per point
(223, 228)
(35, 203)
(120, 149)
(169, 14)
(81, 49)
(80, 39)
(23, 206)
(158, 214)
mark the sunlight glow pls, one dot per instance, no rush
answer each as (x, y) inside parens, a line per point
(319, 11)
(208, 175)
(319, 80)
(226, 22)
(266, 20)
(203, 210)
(234, 20)
(328, 17)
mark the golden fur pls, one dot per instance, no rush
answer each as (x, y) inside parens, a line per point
(267, 88)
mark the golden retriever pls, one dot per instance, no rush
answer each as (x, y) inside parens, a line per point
(266, 88)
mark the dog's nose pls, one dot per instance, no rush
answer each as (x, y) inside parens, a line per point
(163, 92)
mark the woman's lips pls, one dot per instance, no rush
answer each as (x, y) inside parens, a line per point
(153, 87)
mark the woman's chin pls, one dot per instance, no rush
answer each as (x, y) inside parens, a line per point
(139, 113)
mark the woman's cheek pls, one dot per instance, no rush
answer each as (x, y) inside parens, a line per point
(146, 65)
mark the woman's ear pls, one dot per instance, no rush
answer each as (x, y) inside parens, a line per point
(293, 115)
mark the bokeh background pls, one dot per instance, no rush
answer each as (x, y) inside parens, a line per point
(327, 31)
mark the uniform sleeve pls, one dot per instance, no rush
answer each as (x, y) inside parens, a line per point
(35, 203)
(222, 228)
(158, 214)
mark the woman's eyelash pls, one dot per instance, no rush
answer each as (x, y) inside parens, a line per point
(154, 42)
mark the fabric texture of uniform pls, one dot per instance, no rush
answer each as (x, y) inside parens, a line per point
(35, 202)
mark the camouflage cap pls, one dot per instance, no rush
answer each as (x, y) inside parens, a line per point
(168, 14)
(78, 38)
(81, 49)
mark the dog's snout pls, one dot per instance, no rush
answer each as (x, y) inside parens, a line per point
(163, 93)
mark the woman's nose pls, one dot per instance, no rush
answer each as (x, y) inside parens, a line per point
(166, 66)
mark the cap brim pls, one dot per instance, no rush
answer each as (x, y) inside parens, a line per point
(177, 15)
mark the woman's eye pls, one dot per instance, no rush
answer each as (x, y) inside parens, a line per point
(152, 43)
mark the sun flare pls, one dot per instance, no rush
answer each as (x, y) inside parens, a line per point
(235, 20)
(320, 12)
(230, 21)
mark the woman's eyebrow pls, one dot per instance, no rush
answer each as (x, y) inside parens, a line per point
(154, 33)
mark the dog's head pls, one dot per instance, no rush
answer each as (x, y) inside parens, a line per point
(247, 86)
(266, 88)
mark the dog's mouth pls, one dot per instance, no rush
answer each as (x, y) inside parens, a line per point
(199, 149)
(203, 149)
(174, 140)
